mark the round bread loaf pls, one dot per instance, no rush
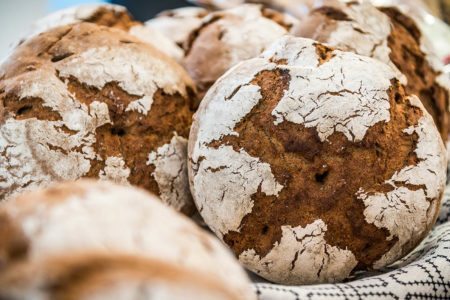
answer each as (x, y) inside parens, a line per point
(177, 24)
(82, 219)
(109, 15)
(311, 167)
(228, 37)
(91, 101)
(391, 37)
(101, 276)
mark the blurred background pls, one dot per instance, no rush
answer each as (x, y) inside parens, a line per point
(16, 16)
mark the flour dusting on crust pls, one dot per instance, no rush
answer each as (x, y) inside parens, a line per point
(224, 163)
(170, 173)
(417, 189)
(177, 24)
(354, 101)
(332, 92)
(143, 77)
(302, 255)
(115, 170)
(70, 16)
(364, 30)
(57, 141)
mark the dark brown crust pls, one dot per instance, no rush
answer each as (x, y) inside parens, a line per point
(332, 13)
(405, 41)
(133, 135)
(111, 18)
(320, 180)
(324, 53)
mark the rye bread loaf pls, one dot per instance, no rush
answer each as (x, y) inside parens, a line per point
(227, 37)
(90, 101)
(84, 232)
(310, 167)
(390, 36)
(177, 24)
(109, 15)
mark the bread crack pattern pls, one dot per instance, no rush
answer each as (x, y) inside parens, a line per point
(306, 128)
(93, 106)
(392, 37)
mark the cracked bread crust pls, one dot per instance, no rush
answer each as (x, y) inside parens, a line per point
(177, 24)
(89, 101)
(391, 37)
(64, 220)
(108, 15)
(228, 37)
(324, 166)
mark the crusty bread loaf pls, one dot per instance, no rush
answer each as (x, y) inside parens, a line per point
(97, 276)
(86, 233)
(391, 37)
(312, 163)
(109, 15)
(227, 37)
(90, 101)
(177, 24)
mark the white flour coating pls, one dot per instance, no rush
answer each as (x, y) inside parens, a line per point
(69, 16)
(302, 255)
(353, 102)
(131, 67)
(115, 170)
(366, 33)
(115, 219)
(217, 183)
(234, 90)
(337, 96)
(170, 173)
(247, 32)
(227, 179)
(408, 212)
(77, 14)
(35, 152)
(177, 24)
(244, 33)
(158, 40)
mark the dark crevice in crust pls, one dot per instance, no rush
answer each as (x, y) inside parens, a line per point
(110, 18)
(320, 180)
(324, 53)
(27, 108)
(277, 17)
(332, 13)
(195, 33)
(404, 42)
(132, 135)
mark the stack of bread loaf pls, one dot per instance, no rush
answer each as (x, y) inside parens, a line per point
(312, 147)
